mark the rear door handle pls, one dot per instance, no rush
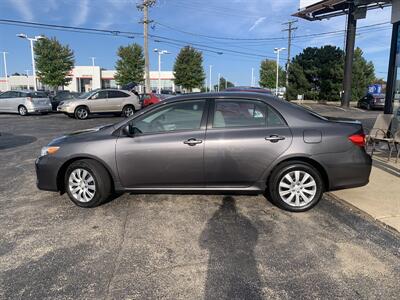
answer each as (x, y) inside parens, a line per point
(192, 142)
(274, 138)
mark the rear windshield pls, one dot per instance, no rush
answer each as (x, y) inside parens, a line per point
(37, 95)
(309, 111)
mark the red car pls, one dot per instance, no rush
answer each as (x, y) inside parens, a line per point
(149, 99)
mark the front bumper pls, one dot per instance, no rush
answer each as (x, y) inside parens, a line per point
(65, 109)
(47, 168)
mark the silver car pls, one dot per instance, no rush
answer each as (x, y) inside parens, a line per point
(101, 101)
(24, 102)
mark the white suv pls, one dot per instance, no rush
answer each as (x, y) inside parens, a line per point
(101, 101)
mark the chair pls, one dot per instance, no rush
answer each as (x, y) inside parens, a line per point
(396, 144)
(380, 132)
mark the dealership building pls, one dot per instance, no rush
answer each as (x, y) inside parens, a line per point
(86, 78)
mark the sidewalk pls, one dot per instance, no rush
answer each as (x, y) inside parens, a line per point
(381, 197)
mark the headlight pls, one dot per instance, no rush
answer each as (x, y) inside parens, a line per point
(48, 150)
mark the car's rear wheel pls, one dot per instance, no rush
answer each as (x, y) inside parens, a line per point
(295, 186)
(128, 111)
(22, 110)
(81, 113)
(87, 183)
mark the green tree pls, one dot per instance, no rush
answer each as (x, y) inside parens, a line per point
(322, 69)
(188, 68)
(363, 75)
(130, 65)
(53, 61)
(268, 74)
(222, 84)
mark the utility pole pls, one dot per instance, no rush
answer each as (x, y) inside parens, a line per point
(93, 58)
(210, 83)
(5, 69)
(252, 77)
(348, 65)
(219, 79)
(145, 7)
(290, 30)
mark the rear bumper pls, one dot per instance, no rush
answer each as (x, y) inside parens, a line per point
(46, 173)
(39, 109)
(346, 170)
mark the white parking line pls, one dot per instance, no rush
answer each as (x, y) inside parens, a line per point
(339, 108)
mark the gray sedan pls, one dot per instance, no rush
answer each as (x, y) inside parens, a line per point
(24, 102)
(220, 143)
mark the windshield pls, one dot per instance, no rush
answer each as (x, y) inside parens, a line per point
(85, 95)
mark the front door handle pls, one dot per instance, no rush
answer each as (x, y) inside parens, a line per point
(274, 138)
(192, 142)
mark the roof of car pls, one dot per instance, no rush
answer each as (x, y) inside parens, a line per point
(232, 94)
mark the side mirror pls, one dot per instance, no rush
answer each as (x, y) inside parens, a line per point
(126, 131)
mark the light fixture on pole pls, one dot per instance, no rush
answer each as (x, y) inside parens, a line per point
(277, 51)
(5, 69)
(31, 40)
(160, 52)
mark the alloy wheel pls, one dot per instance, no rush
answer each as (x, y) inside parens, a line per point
(129, 111)
(82, 113)
(22, 111)
(81, 184)
(297, 188)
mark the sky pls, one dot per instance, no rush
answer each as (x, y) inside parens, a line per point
(187, 21)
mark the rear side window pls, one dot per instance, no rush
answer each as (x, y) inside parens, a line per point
(36, 95)
(117, 94)
(245, 113)
(238, 113)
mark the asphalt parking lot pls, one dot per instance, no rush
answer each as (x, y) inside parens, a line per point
(178, 246)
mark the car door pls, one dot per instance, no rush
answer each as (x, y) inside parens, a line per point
(167, 148)
(243, 138)
(115, 100)
(98, 102)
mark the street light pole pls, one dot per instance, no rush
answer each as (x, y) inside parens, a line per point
(31, 40)
(277, 50)
(27, 79)
(93, 58)
(160, 52)
(5, 70)
(219, 79)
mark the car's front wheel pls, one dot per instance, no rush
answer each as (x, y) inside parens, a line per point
(295, 186)
(87, 183)
(81, 113)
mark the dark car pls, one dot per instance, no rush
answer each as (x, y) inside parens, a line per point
(248, 89)
(217, 142)
(371, 101)
(62, 96)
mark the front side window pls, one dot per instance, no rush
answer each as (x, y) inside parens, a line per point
(174, 117)
(6, 95)
(99, 95)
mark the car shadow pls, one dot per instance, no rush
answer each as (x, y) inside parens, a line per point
(8, 140)
(230, 239)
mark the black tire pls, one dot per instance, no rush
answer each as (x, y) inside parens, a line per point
(278, 175)
(128, 111)
(100, 176)
(44, 113)
(22, 110)
(368, 107)
(81, 113)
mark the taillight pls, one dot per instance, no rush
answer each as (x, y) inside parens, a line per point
(358, 139)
